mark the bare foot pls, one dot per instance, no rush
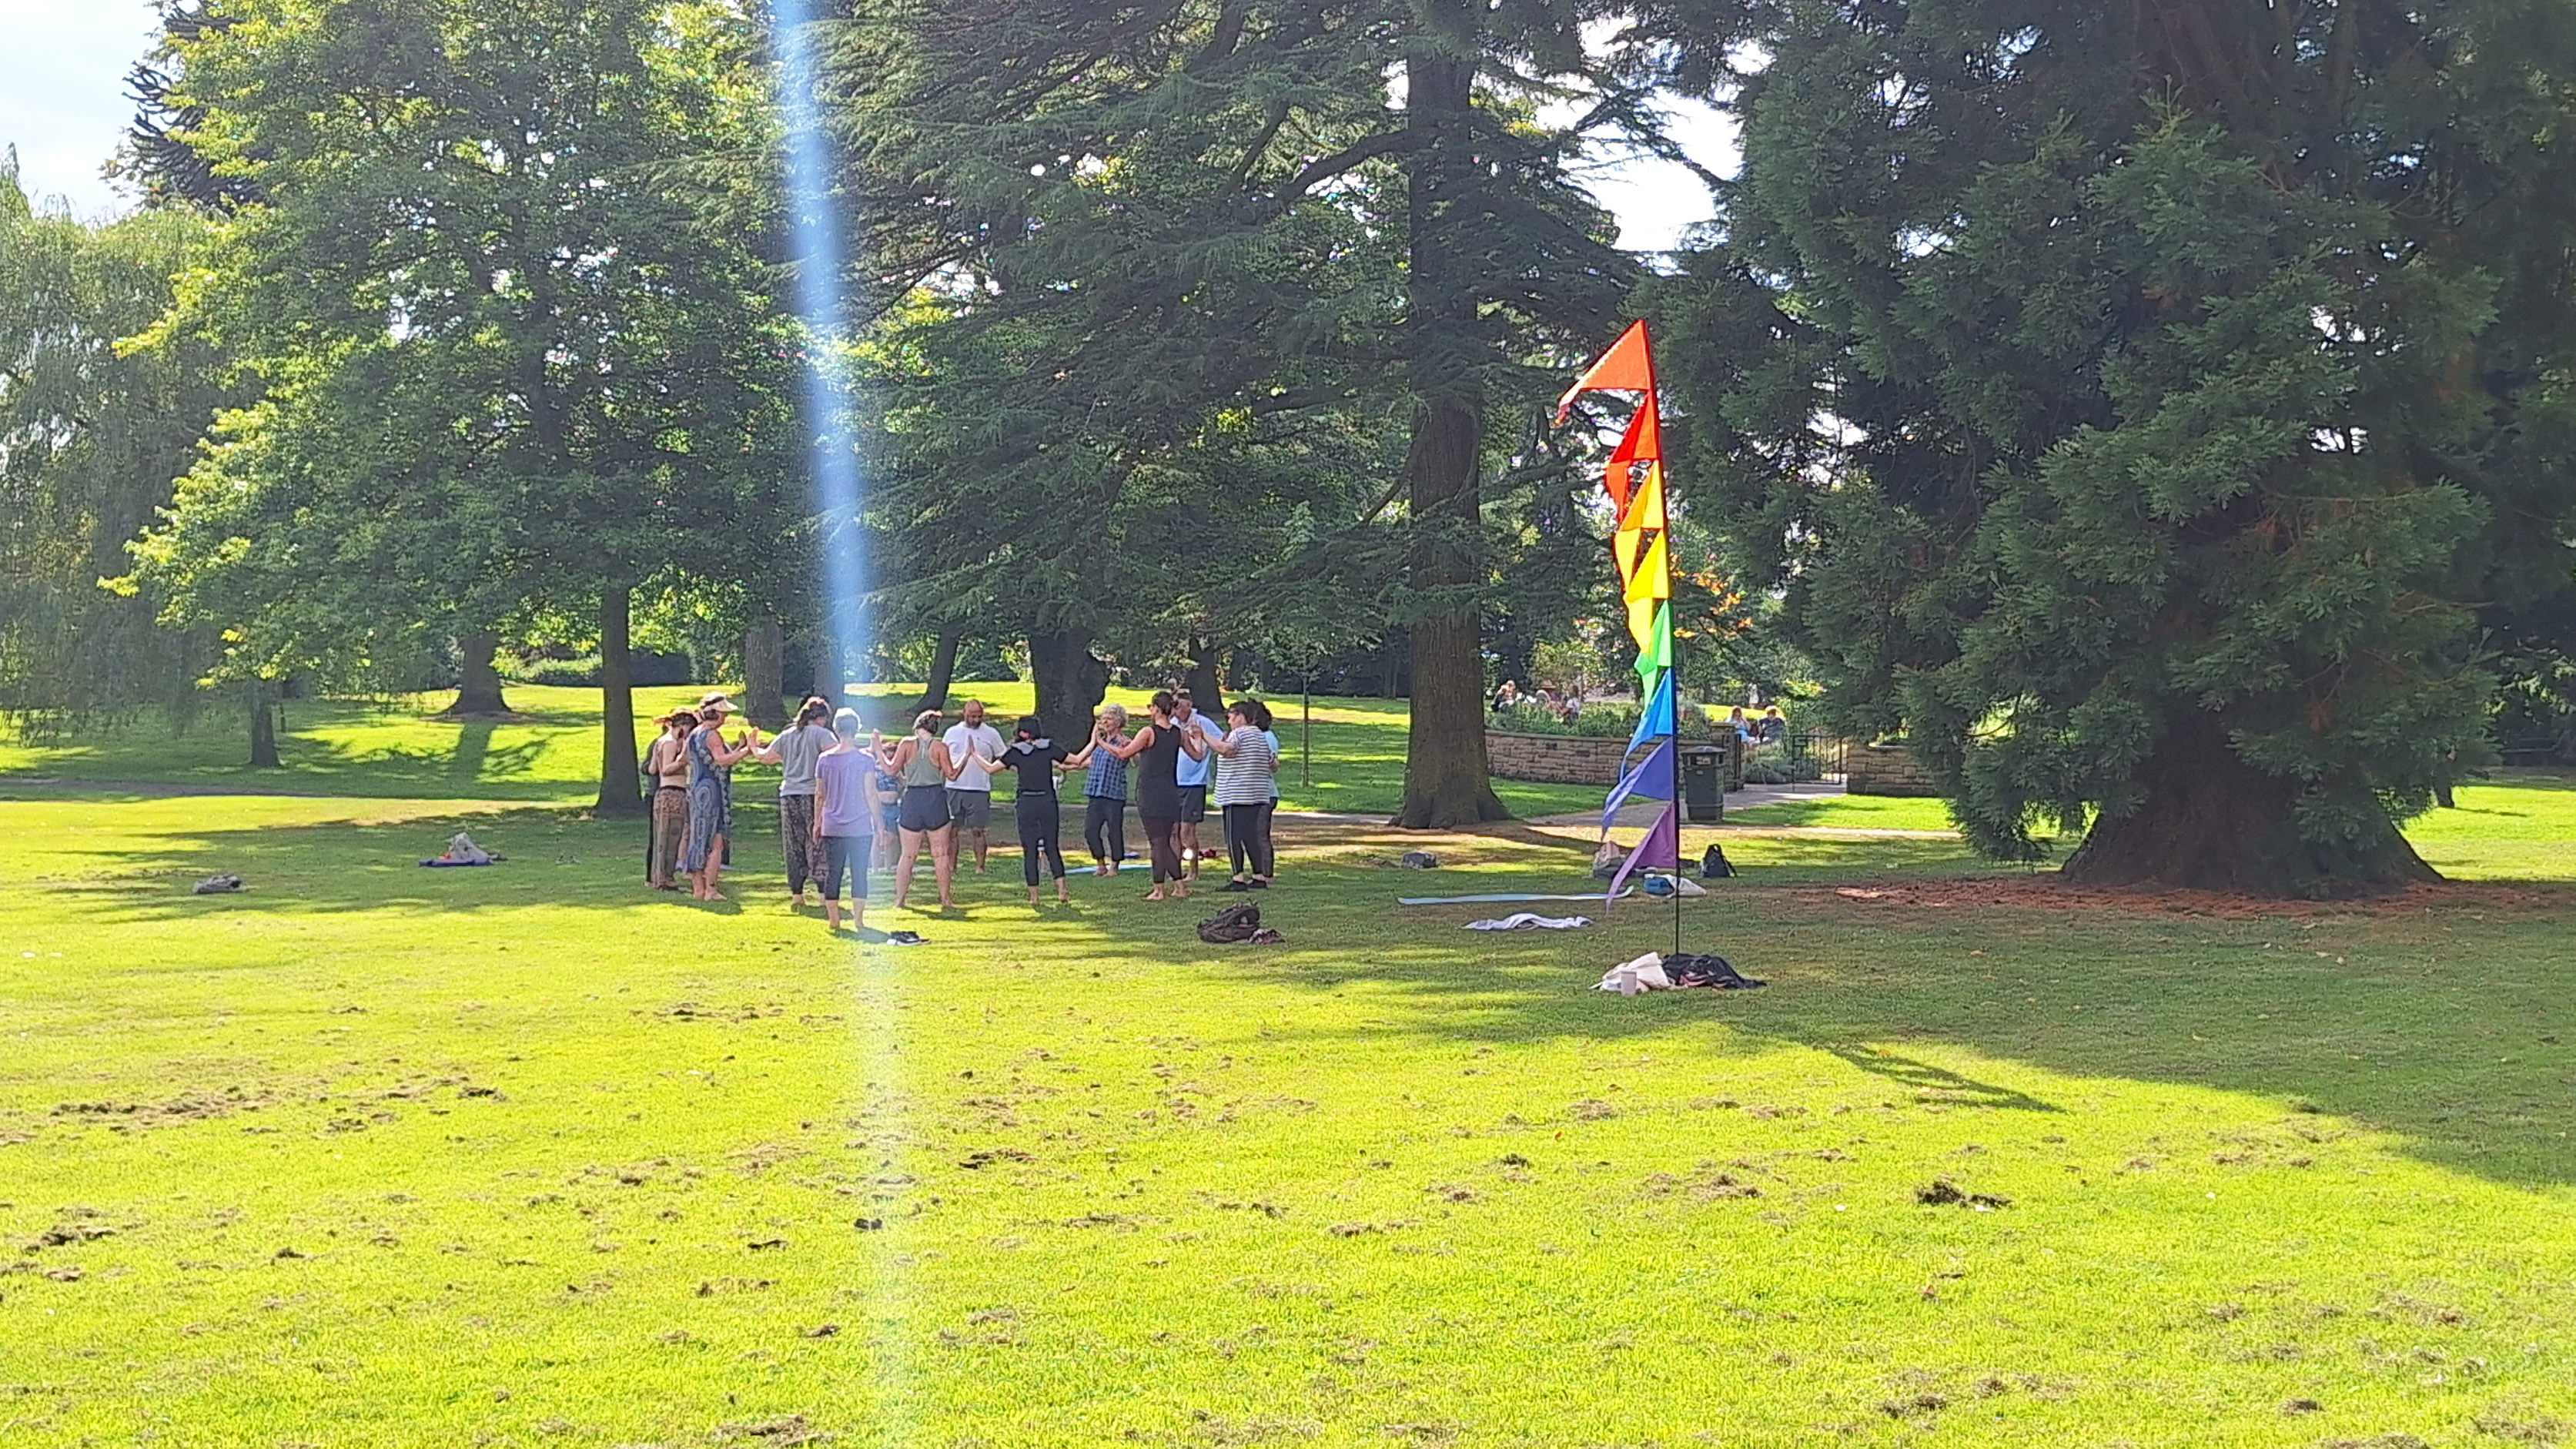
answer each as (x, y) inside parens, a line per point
(1155, 894)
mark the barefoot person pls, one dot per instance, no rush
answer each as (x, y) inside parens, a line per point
(1244, 768)
(921, 762)
(1161, 746)
(973, 746)
(1104, 791)
(710, 802)
(1035, 758)
(845, 819)
(794, 751)
(668, 763)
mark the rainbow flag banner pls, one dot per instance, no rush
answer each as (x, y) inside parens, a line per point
(1635, 483)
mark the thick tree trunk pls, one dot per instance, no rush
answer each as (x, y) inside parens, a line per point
(1071, 683)
(1206, 690)
(263, 726)
(479, 691)
(2210, 821)
(618, 795)
(943, 671)
(764, 674)
(1446, 782)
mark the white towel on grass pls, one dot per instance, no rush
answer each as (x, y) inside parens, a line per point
(1532, 921)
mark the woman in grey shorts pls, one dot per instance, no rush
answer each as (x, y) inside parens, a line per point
(922, 763)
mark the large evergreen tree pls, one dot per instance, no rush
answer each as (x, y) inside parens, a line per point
(1165, 220)
(2137, 401)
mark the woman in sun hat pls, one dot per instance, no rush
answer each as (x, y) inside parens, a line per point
(710, 793)
(667, 762)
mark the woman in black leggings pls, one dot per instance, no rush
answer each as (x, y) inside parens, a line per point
(1035, 759)
(1158, 791)
(1243, 774)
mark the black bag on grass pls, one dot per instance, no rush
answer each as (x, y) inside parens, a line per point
(1231, 926)
(1714, 865)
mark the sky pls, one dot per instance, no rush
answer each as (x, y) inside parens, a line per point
(63, 105)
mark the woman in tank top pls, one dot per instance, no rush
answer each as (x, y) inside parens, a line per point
(1160, 746)
(921, 762)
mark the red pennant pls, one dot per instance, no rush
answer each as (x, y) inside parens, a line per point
(1626, 367)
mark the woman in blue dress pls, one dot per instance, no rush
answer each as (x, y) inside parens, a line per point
(710, 808)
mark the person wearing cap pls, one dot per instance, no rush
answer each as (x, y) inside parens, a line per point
(794, 751)
(844, 824)
(710, 798)
(974, 747)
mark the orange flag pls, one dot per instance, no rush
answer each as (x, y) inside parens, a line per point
(1624, 368)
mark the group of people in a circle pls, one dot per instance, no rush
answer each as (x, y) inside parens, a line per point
(848, 804)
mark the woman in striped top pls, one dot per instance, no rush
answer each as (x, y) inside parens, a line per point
(1244, 766)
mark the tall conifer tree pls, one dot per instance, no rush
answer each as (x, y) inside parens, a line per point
(2136, 401)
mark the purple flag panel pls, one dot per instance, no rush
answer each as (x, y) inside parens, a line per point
(1661, 847)
(1651, 780)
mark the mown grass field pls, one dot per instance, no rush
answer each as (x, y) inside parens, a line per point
(373, 1155)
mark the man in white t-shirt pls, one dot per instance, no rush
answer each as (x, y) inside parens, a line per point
(974, 747)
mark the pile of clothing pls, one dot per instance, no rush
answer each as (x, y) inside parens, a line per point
(1656, 971)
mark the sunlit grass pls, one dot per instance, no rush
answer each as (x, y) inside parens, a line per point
(377, 1155)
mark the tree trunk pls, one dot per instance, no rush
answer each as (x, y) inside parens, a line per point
(827, 668)
(2210, 821)
(1446, 781)
(618, 795)
(263, 726)
(943, 671)
(1206, 690)
(764, 674)
(479, 691)
(1071, 683)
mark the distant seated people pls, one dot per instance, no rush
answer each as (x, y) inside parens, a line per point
(1772, 727)
(1506, 697)
(1741, 727)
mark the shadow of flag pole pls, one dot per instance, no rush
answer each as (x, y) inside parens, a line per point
(1634, 481)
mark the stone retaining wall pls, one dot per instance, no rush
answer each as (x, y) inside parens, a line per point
(1557, 759)
(1885, 770)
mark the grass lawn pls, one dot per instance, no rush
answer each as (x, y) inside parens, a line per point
(373, 1155)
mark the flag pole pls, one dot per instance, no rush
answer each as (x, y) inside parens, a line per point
(1672, 652)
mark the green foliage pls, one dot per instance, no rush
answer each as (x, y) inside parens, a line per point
(510, 352)
(92, 431)
(2119, 412)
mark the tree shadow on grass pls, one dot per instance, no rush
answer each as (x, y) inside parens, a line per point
(2450, 1026)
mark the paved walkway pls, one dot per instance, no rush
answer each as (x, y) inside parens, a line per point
(1638, 814)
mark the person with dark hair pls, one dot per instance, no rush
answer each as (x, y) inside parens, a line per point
(1244, 765)
(794, 750)
(1035, 758)
(1162, 745)
(923, 764)
(1192, 772)
(1270, 807)
(1104, 790)
(844, 818)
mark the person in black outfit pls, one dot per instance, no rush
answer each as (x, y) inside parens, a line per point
(1035, 759)
(1158, 791)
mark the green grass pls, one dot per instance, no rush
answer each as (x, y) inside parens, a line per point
(395, 750)
(1850, 812)
(561, 1163)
